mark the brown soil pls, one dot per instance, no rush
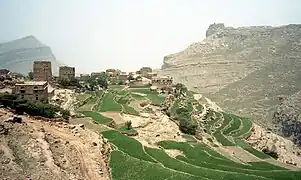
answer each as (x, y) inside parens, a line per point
(288, 152)
(35, 149)
(115, 116)
(154, 128)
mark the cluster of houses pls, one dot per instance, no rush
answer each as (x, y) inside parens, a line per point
(144, 76)
(41, 87)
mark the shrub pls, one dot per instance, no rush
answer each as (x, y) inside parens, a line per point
(121, 83)
(144, 103)
(128, 125)
(67, 82)
(271, 153)
(188, 126)
(65, 114)
(31, 107)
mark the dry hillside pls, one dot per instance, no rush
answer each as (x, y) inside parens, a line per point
(36, 149)
(243, 69)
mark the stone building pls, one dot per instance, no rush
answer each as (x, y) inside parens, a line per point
(162, 81)
(113, 75)
(145, 70)
(95, 74)
(32, 90)
(123, 76)
(42, 71)
(151, 75)
(66, 72)
(84, 77)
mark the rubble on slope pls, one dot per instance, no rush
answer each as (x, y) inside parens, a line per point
(37, 149)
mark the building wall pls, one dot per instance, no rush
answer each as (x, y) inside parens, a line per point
(145, 70)
(162, 82)
(123, 77)
(84, 77)
(151, 75)
(32, 92)
(42, 71)
(66, 72)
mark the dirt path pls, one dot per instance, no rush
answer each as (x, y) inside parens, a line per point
(89, 167)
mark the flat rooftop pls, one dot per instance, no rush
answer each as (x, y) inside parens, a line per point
(32, 83)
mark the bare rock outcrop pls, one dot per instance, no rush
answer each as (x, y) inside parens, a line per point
(287, 118)
(18, 55)
(287, 152)
(243, 69)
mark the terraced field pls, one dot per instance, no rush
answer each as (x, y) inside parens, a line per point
(131, 160)
(115, 100)
(195, 160)
(230, 130)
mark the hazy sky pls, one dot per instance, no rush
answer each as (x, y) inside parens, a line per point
(96, 34)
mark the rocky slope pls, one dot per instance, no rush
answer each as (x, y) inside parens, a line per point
(287, 118)
(19, 55)
(37, 149)
(243, 69)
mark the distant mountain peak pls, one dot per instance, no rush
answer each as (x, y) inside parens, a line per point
(18, 55)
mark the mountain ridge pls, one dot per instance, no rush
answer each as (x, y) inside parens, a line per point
(241, 68)
(18, 55)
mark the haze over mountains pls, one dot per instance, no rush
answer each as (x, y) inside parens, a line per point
(244, 69)
(19, 55)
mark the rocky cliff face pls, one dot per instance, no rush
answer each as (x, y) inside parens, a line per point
(287, 118)
(230, 54)
(19, 55)
(243, 69)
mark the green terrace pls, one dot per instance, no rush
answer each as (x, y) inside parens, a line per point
(131, 160)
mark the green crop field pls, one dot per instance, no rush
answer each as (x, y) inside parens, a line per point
(234, 126)
(246, 127)
(178, 165)
(147, 86)
(97, 117)
(129, 110)
(89, 105)
(131, 131)
(131, 160)
(222, 139)
(156, 100)
(250, 149)
(125, 167)
(128, 145)
(109, 104)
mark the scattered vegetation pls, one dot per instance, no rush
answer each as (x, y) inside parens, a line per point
(68, 82)
(32, 108)
(128, 129)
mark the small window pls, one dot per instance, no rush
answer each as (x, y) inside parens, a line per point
(37, 97)
(22, 87)
(35, 91)
(22, 91)
(22, 97)
(36, 87)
